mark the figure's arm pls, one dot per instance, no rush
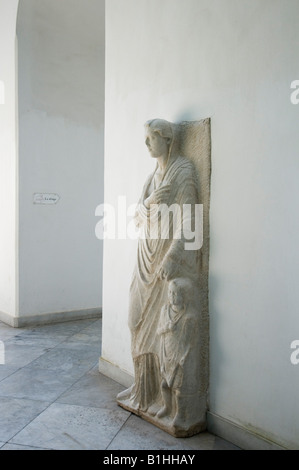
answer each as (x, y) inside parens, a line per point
(149, 206)
(163, 326)
(188, 337)
(159, 196)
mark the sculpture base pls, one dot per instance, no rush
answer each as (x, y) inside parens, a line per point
(166, 423)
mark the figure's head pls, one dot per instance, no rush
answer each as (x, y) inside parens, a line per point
(179, 290)
(158, 137)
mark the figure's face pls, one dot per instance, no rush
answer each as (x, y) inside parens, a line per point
(157, 145)
(176, 298)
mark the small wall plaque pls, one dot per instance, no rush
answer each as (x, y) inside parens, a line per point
(45, 198)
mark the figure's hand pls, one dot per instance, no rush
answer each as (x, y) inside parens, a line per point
(167, 271)
(160, 196)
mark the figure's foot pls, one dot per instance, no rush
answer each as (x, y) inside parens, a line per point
(126, 394)
(163, 412)
(153, 410)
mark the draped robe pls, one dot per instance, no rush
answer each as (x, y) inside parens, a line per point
(149, 293)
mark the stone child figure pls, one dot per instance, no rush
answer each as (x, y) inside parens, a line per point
(178, 329)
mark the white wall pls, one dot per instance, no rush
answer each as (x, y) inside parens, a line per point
(61, 120)
(8, 160)
(232, 60)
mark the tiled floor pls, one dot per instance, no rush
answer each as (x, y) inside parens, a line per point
(53, 397)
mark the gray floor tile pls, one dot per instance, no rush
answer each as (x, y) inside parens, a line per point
(94, 328)
(62, 365)
(87, 338)
(138, 434)
(207, 441)
(36, 384)
(72, 361)
(46, 332)
(7, 331)
(97, 324)
(6, 371)
(62, 329)
(53, 335)
(33, 340)
(6, 334)
(17, 413)
(57, 331)
(21, 356)
(70, 427)
(19, 447)
(93, 389)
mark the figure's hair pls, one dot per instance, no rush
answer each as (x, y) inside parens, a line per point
(162, 127)
(183, 284)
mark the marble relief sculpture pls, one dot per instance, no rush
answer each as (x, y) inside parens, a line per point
(168, 315)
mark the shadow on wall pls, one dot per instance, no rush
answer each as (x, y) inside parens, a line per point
(2, 92)
(217, 357)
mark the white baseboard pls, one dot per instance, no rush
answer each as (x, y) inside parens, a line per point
(48, 318)
(238, 435)
(116, 373)
(8, 319)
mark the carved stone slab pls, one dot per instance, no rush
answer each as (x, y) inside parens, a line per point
(169, 313)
